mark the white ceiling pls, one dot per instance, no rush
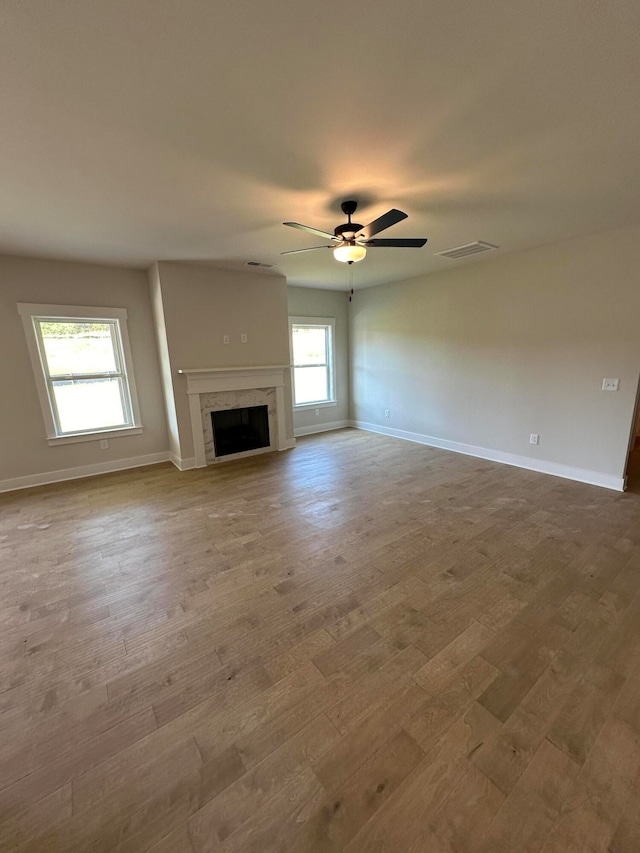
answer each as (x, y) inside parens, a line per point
(136, 130)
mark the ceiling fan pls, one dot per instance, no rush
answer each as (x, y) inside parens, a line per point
(351, 240)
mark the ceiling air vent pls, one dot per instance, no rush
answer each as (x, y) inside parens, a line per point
(468, 249)
(258, 264)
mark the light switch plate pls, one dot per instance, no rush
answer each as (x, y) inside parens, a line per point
(610, 384)
(243, 338)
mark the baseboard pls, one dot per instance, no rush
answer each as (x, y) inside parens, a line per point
(188, 464)
(183, 464)
(312, 430)
(82, 471)
(542, 466)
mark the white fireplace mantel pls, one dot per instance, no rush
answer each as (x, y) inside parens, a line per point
(210, 380)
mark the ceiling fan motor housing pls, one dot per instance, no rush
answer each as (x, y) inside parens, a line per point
(350, 228)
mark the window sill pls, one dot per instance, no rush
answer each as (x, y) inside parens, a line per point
(94, 436)
(324, 405)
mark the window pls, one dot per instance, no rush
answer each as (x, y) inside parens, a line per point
(312, 360)
(82, 365)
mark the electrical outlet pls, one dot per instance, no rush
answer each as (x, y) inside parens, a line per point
(225, 339)
(534, 438)
(387, 413)
(609, 384)
(317, 412)
(104, 444)
(243, 338)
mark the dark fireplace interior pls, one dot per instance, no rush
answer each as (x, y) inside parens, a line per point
(236, 430)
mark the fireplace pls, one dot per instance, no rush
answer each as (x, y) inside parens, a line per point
(239, 430)
(213, 390)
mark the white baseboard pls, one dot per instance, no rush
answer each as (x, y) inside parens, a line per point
(183, 464)
(188, 464)
(82, 471)
(542, 466)
(312, 430)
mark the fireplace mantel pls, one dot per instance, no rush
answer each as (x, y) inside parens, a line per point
(210, 380)
(205, 380)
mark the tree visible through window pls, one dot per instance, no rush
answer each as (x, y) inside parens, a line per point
(312, 356)
(80, 364)
(85, 373)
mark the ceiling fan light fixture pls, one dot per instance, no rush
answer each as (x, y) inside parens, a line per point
(349, 253)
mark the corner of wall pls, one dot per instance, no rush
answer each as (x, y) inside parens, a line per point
(157, 308)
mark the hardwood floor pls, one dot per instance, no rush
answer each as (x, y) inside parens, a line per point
(360, 645)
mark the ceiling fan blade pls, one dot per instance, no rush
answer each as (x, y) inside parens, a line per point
(385, 221)
(406, 243)
(310, 249)
(309, 230)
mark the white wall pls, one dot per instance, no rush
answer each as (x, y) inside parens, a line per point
(200, 304)
(308, 302)
(24, 450)
(487, 353)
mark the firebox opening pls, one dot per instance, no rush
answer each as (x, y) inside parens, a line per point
(239, 430)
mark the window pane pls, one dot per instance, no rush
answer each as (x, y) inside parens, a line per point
(78, 347)
(311, 385)
(89, 404)
(309, 345)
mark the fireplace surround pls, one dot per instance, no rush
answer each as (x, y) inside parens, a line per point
(217, 389)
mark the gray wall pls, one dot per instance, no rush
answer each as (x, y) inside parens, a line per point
(489, 352)
(308, 302)
(25, 451)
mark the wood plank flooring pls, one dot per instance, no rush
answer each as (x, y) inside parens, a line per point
(361, 645)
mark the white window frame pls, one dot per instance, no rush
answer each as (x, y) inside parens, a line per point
(328, 323)
(117, 317)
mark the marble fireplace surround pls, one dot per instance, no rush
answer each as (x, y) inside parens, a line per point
(216, 388)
